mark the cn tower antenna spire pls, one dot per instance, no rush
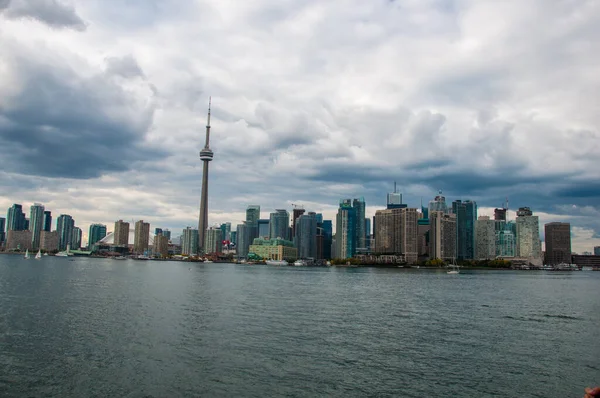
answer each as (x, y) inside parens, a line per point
(208, 124)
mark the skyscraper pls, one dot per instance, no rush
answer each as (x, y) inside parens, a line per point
(485, 238)
(36, 224)
(442, 241)
(214, 240)
(279, 223)
(394, 199)
(141, 237)
(359, 210)
(306, 236)
(558, 243)
(158, 231)
(64, 226)
(226, 231)
(15, 219)
(528, 234)
(297, 212)
(206, 155)
(327, 238)
(263, 228)
(345, 235)
(438, 204)
(161, 246)
(47, 221)
(189, 241)
(244, 238)
(167, 234)
(466, 215)
(121, 233)
(97, 232)
(252, 215)
(506, 242)
(2, 233)
(397, 233)
(76, 238)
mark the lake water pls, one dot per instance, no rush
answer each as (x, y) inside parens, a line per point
(89, 327)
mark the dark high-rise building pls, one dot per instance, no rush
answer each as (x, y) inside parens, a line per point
(158, 231)
(36, 215)
(306, 236)
(167, 233)
(64, 226)
(596, 250)
(15, 219)
(97, 232)
(359, 210)
(76, 238)
(558, 243)
(47, 221)
(252, 215)
(226, 231)
(327, 238)
(26, 225)
(263, 228)
(2, 228)
(206, 155)
(245, 236)
(233, 237)
(466, 215)
(500, 214)
(279, 223)
(345, 235)
(297, 212)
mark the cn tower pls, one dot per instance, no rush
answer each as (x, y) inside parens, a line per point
(206, 155)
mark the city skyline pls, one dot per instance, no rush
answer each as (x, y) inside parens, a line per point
(337, 116)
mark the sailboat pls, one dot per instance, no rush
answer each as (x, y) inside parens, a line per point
(26, 257)
(38, 255)
(453, 268)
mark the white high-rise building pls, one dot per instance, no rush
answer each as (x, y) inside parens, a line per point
(528, 234)
(213, 241)
(485, 238)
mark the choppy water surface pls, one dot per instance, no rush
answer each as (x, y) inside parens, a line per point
(107, 328)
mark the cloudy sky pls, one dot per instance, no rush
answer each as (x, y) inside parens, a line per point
(103, 106)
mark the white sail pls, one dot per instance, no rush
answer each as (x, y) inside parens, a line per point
(38, 255)
(26, 254)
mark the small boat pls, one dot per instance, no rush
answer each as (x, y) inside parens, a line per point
(453, 268)
(26, 256)
(66, 253)
(208, 261)
(38, 255)
(120, 258)
(276, 262)
(299, 263)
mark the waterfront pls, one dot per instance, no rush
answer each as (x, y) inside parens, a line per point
(97, 327)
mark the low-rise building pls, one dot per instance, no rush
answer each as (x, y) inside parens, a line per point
(49, 241)
(273, 249)
(18, 240)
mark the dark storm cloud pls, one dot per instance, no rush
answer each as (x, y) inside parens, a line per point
(51, 12)
(62, 125)
(588, 191)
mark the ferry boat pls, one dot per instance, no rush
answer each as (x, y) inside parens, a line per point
(276, 262)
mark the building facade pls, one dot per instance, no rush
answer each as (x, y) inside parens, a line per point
(506, 242)
(397, 233)
(161, 246)
(15, 218)
(438, 204)
(274, 249)
(296, 213)
(485, 238)
(345, 235)
(47, 221)
(121, 233)
(466, 215)
(279, 224)
(189, 241)
(442, 241)
(528, 234)
(245, 236)
(263, 228)
(361, 236)
(2, 233)
(49, 241)
(64, 226)
(76, 238)
(214, 240)
(18, 240)
(36, 224)
(97, 232)
(141, 237)
(306, 236)
(558, 243)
